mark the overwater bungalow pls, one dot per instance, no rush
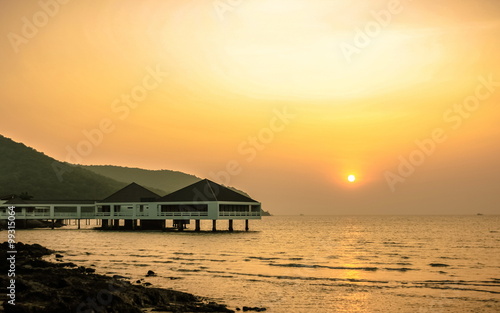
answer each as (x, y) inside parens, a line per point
(141, 208)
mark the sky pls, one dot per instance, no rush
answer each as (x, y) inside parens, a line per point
(283, 99)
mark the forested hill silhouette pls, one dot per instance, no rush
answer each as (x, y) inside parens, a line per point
(163, 181)
(30, 174)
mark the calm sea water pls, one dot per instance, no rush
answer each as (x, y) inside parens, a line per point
(309, 263)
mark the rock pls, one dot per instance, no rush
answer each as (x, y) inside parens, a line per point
(59, 255)
(150, 273)
(120, 277)
(43, 286)
(215, 307)
(438, 265)
(147, 284)
(256, 309)
(89, 270)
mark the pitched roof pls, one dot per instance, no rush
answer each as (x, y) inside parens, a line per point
(16, 200)
(132, 193)
(205, 190)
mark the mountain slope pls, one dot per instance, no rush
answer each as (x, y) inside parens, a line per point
(23, 169)
(161, 181)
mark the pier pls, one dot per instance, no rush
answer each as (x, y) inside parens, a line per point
(141, 208)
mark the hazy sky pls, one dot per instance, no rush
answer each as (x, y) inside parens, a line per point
(281, 98)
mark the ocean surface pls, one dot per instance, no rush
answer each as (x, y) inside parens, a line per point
(307, 263)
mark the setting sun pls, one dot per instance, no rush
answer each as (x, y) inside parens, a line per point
(318, 144)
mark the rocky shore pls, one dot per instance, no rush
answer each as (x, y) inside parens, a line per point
(42, 286)
(30, 224)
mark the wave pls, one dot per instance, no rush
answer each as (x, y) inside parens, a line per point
(308, 278)
(192, 260)
(263, 258)
(438, 265)
(456, 285)
(325, 266)
(401, 269)
(188, 270)
(358, 268)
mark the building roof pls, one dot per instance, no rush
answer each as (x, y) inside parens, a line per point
(131, 193)
(205, 190)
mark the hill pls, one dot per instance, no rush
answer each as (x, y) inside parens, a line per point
(25, 170)
(160, 181)
(164, 181)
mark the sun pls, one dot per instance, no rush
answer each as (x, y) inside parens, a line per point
(351, 178)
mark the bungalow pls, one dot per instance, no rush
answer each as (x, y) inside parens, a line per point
(203, 200)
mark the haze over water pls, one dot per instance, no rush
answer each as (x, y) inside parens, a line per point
(280, 98)
(309, 263)
(311, 107)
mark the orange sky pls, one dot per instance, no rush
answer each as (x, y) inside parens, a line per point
(281, 98)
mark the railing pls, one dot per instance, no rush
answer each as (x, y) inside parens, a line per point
(239, 213)
(183, 214)
(41, 214)
(103, 214)
(65, 214)
(124, 214)
(26, 214)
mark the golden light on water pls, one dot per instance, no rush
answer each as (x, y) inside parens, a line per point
(259, 66)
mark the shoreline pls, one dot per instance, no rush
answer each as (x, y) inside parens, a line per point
(42, 286)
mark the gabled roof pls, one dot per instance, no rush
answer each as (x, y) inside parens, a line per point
(15, 200)
(132, 193)
(205, 190)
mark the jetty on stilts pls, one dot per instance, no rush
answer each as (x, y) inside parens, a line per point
(136, 207)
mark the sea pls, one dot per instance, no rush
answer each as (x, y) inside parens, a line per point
(306, 263)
